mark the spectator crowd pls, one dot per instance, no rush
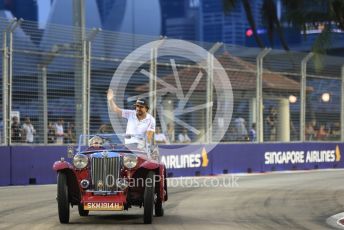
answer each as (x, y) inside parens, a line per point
(60, 132)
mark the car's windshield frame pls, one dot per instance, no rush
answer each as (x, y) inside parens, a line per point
(113, 141)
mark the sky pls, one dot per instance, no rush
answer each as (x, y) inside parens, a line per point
(43, 12)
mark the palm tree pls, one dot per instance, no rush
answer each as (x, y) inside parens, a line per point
(269, 11)
(270, 16)
(228, 5)
(299, 13)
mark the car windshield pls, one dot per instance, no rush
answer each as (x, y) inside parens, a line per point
(111, 141)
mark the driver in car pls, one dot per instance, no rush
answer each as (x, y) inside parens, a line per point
(140, 122)
(95, 143)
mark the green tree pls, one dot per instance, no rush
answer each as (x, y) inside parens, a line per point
(269, 14)
(228, 5)
(299, 13)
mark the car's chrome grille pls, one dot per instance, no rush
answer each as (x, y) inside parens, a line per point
(105, 172)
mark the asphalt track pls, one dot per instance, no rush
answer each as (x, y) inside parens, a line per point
(297, 200)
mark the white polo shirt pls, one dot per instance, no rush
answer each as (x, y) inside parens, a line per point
(137, 127)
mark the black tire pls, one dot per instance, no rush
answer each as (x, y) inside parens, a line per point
(82, 211)
(62, 198)
(148, 202)
(159, 209)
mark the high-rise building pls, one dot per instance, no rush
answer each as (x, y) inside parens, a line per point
(181, 28)
(230, 27)
(131, 16)
(25, 9)
(105, 7)
(180, 19)
(171, 10)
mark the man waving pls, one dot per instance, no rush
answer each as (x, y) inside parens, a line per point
(140, 122)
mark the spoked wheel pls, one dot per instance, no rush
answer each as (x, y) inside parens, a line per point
(62, 198)
(148, 202)
(82, 211)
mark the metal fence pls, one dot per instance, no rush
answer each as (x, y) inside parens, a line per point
(58, 78)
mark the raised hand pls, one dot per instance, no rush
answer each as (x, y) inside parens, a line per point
(109, 94)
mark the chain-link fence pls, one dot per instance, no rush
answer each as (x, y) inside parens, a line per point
(54, 85)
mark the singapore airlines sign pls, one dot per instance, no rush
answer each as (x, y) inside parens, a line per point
(299, 157)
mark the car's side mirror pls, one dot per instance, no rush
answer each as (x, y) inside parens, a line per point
(70, 151)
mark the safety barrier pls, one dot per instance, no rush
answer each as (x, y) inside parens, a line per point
(22, 165)
(5, 169)
(238, 158)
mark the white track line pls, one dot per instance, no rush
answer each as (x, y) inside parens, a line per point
(334, 220)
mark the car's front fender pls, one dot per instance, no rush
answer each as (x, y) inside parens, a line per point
(74, 193)
(150, 165)
(61, 165)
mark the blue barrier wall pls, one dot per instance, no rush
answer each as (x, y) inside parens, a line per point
(235, 158)
(24, 165)
(5, 169)
(34, 164)
(274, 157)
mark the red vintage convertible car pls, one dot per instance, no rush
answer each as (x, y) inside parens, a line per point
(107, 176)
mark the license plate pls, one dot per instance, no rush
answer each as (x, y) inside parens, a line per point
(103, 206)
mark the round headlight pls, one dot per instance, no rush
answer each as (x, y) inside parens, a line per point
(130, 161)
(80, 161)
